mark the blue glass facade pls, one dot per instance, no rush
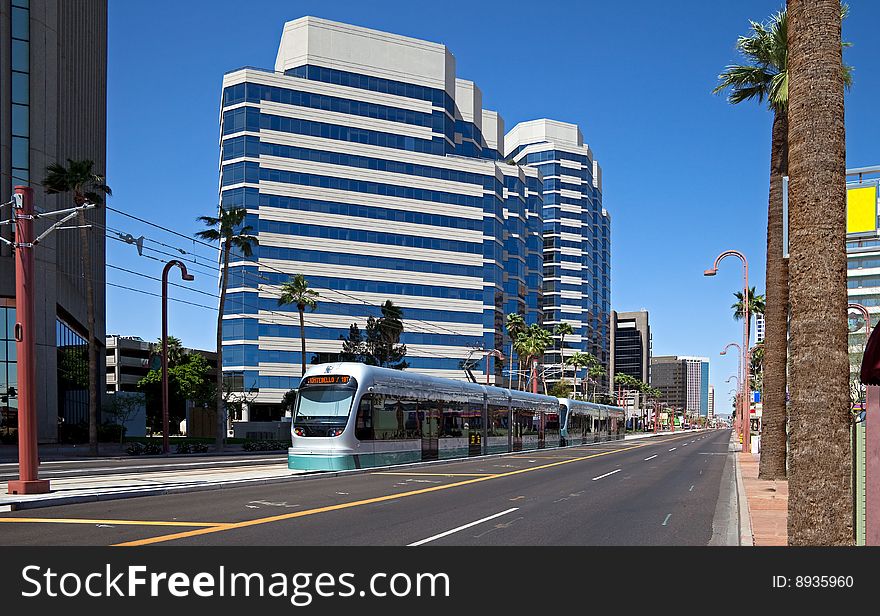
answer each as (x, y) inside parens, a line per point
(387, 180)
(576, 281)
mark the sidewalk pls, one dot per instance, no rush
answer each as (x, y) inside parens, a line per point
(766, 503)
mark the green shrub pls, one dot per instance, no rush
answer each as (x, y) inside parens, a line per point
(73, 433)
(265, 445)
(110, 433)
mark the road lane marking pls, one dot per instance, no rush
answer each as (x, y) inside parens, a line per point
(370, 501)
(651, 457)
(606, 474)
(111, 522)
(692, 489)
(668, 515)
(673, 449)
(437, 474)
(460, 528)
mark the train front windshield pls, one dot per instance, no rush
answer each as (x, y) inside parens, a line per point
(323, 405)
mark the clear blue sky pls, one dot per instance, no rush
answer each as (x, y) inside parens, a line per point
(685, 174)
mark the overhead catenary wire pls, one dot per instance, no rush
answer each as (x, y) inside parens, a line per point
(239, 257)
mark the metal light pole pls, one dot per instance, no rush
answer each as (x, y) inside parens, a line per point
(738, 370)
(23, 217)
(744, 383)
(185, 276)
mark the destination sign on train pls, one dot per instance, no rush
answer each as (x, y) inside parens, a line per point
(327, 379)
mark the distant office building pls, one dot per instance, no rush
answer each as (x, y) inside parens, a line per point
(760, 328)
(631, 347)
(367, 165)
(683, 382)
(577, 235)
(863, 250)
(711, 413)
(128, 361)
(53, 81)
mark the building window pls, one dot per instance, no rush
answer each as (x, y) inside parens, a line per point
(73, 376)
(20, 92)
(8, 370)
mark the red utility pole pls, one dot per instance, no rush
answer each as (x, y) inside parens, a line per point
(25, 346)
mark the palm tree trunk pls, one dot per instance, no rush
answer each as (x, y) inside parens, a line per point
(221, 402)
(820, 503)
(302, 339)
(92, 348)
(773, 437)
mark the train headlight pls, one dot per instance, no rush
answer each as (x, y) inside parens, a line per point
(335, 432)
(299, 431)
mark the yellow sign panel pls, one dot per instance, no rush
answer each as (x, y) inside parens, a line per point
(861, 209)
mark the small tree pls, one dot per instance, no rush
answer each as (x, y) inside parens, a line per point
(381, 344)
(122, 409)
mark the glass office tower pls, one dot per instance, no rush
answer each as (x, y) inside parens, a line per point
(367, 166)
(576, 235)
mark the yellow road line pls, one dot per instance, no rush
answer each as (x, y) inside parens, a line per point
(437, 474)
(367, 501)
(111, 522)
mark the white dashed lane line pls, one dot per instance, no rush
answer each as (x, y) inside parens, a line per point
(606, 474)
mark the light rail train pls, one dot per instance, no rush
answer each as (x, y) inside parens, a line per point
(351, 415)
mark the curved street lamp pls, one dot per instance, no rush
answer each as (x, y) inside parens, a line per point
(185, 276)
(738, 369)
(744, 350)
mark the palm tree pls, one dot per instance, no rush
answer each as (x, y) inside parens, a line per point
(756, 305)
(87, 187)
(175, 350)
(296, 291)
(820, 502)
(533, 342)
(595, 372)
(227, 229)
(765, 76)
(515, 325)
(562, 330)
(580, 360)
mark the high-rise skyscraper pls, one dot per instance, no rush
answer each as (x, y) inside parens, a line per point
(53, 91)
(577, 234)
(367, 165)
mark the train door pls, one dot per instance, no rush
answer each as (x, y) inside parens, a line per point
(541, 420)
(516, 429)
(429, 414)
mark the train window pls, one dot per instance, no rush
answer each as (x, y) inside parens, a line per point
(323, 411)
(551, 429)
(452, 420)
(364, 421)
(499, 418)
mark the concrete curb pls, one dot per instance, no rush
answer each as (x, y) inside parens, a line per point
(745, 518)
(181, 489)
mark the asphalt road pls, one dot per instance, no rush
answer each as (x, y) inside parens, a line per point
(655, 491)
(64, 469)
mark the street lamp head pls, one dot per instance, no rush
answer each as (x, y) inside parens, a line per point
(710, 272)
(188, 277)
(724, 352)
